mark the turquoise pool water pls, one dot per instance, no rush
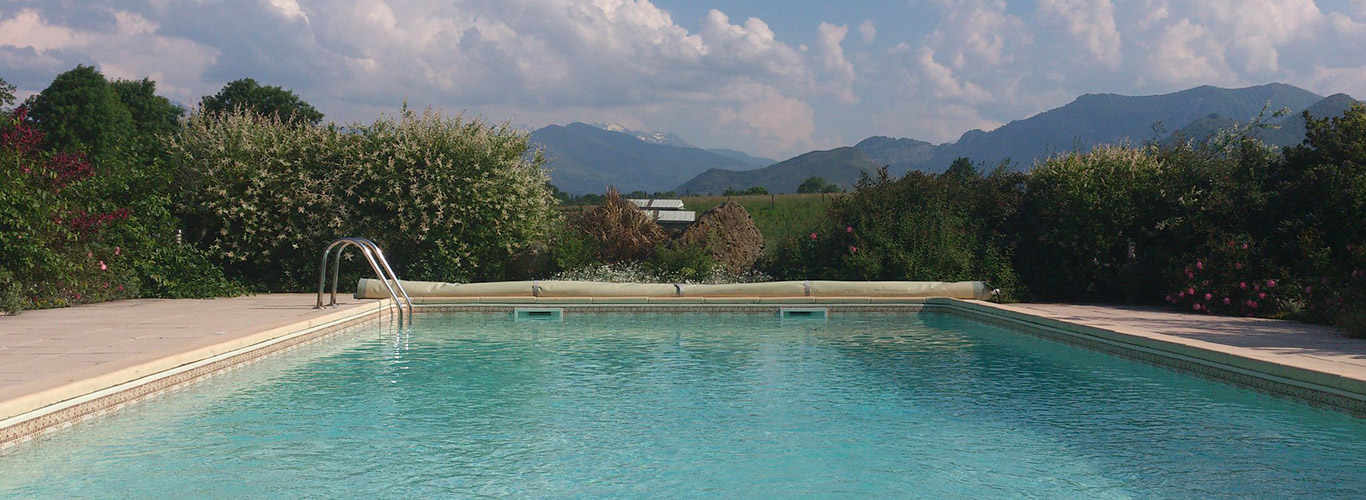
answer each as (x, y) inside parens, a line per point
(693, 406)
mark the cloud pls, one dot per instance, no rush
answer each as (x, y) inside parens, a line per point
(831, 57)
(771, 116)
(868, 30)
(950, 65)
(1089, 25)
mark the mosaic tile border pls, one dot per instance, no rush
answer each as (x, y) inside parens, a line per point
(64, 415)
(675, 309)
(1303, 392)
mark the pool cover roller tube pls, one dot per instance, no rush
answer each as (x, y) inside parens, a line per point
(374, 289)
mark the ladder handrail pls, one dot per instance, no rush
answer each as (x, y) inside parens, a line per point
(375, 257)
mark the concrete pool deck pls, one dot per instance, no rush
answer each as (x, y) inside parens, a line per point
(55, 357)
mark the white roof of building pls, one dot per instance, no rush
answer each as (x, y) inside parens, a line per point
(673, 216)
(660, 204)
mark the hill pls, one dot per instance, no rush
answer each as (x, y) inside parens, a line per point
(841, 166)
(1089, 120)
(1289, 130)
(586, 159)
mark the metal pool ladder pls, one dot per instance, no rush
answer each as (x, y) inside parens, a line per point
(381, 267)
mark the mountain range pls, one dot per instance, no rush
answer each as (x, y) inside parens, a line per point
(587, 158)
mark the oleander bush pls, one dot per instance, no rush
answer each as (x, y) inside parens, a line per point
(448, 198)
(78, 229)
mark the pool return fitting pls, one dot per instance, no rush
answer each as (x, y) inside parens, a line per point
(375, 257)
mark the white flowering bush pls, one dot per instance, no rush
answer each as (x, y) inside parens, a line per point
(447, 198)
(634, 272)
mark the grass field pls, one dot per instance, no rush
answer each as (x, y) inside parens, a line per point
(777, 216)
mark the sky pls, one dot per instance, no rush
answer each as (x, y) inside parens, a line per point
(774, 78)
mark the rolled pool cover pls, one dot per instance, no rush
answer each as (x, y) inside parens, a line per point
(374, 289)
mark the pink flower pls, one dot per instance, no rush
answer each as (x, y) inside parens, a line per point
(813, 236)
(1209, 296)
(78, 296)
(1271, 283)
(1199, 265)
(848, 229)
(1196, 307)
(1244, 246)
(102, 266)
(1190, 275)
(853, 249)
(1308, 289)
(120, 288)
(1238, 265)
(1242, 285)
(1261, 295)
(1226, 301)
(1254, 304)
(1169, 298)
(1190, 291)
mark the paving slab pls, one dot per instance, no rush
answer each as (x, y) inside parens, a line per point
(44, 350)
(1314, 347)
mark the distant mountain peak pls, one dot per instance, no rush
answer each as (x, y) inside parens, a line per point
(665, 138)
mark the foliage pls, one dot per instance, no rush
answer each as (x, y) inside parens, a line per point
(817, 184)
(80, 111)
(635, 272)
(152, 115)
(52, 250)
(920, 227)
(1317, 198)
(682, 263)
(448, 198)
(571, 249)
(1228, 280)
(619, 231)
(753, 190)
(6, 93)
(264, 100)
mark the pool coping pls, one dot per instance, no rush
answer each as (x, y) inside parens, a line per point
(47, 411)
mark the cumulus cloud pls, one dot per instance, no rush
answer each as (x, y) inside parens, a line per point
(771, 116)
(831, 57)
(1089, 25)
(867, 30)
(949, 66)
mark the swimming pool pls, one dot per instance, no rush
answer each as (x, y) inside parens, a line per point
(700, 406)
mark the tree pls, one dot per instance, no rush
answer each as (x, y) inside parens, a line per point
(817, 184)
(81, 111)
(6, 93)
(962, 169)
(152, 114)
(265, 100)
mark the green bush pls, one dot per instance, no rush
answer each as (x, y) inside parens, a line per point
(682, 263)
(946, 227)
(449, 199)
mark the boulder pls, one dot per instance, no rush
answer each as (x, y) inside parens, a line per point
(729, 233)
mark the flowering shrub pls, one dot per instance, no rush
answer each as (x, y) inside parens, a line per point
(1231, 279)
(634, 272)
(448, 199)
(52, 250)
